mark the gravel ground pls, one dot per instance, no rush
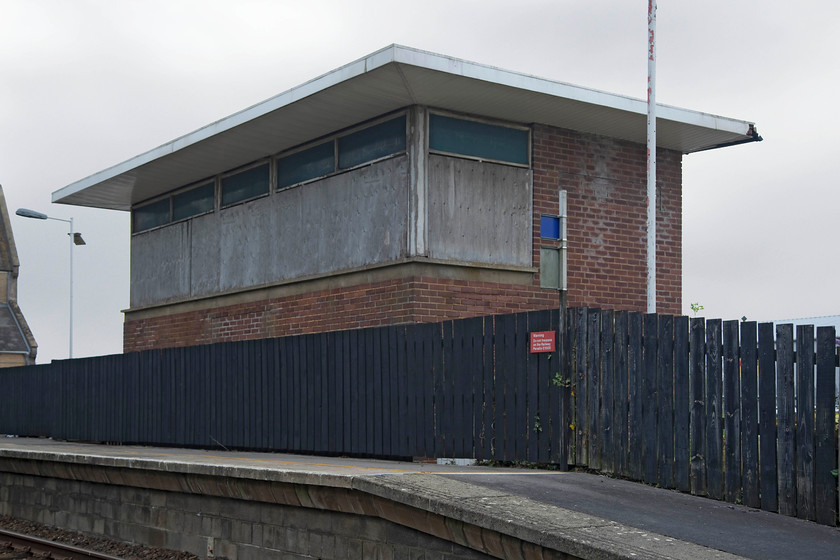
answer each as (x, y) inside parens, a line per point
(128, 551)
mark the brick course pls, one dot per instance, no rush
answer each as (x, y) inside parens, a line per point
(606, 184)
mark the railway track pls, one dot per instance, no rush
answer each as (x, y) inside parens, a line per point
(17, 545)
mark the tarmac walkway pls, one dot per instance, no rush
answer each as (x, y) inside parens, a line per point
(578, 514)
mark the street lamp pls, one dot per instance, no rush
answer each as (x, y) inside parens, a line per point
(75, 239)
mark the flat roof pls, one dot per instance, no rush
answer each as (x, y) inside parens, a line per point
(386, 80)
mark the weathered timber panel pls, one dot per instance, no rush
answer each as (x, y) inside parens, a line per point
(786, 420)
(767, 417)
(749, 418)
(622, 393)
(650, 398)
(805, 422)
(714, 409)
(732, 412)
(607, 381)
(682, 405)
(826, 444)
(635, 375)
(665, 402)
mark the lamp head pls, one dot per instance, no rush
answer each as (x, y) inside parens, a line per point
(26, 213)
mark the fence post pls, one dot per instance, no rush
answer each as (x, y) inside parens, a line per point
(622, 393)
(805, 422)
(749, 418)
(635, 373)
(697, 392)
(825, 483)
(593, 373)
(786, 442)
(563, 416)
(607, 374)
(767, 427)
(732, 412)
(682, 405)
(714, 410)
(650, 398)
(581, 429)
(665, 401)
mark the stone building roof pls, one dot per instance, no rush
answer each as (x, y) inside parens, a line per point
(15, 335)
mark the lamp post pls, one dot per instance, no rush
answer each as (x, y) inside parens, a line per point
(75, 239)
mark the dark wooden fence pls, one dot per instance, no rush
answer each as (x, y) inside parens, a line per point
(733, 411)
(728, 410)
(426, 390)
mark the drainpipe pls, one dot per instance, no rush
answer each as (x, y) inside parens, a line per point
(651, 160)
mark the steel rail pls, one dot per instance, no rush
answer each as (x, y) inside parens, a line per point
(50, 549)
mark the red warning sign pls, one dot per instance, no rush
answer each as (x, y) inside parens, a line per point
(542, 342)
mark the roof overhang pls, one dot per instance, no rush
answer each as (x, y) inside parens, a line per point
(386, 80)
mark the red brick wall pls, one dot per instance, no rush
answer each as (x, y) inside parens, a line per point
(606, 184)
(409, 300)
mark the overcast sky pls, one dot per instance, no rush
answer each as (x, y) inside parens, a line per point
(85, 85)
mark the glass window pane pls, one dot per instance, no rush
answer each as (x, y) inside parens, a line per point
(193, 202)
(550, 227)
(247, 184)
(150, 216)
(372, 143)
(307, 164)
(477, 139)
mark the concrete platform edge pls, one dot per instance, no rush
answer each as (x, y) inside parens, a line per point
(551, 527)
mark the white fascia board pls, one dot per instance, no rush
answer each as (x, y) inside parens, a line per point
(410, 57)
(516, 80)
(703, 120)
(563, 90)
(253, 112)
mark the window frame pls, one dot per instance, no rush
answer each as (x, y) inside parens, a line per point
(333, 138)
(298, 150)
(244, 169)
(194, 186)
(146, 204)
(272, 162)
(482, 120)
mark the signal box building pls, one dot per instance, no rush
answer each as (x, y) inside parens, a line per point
(403, 187)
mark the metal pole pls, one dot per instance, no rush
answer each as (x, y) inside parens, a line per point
(564, 277)
(651, 160)
(26, 213)
(72, 242)
(562, 329)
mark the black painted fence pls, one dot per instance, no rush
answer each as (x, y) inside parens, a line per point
(426, 390)
(728, 410)
(719, 409)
